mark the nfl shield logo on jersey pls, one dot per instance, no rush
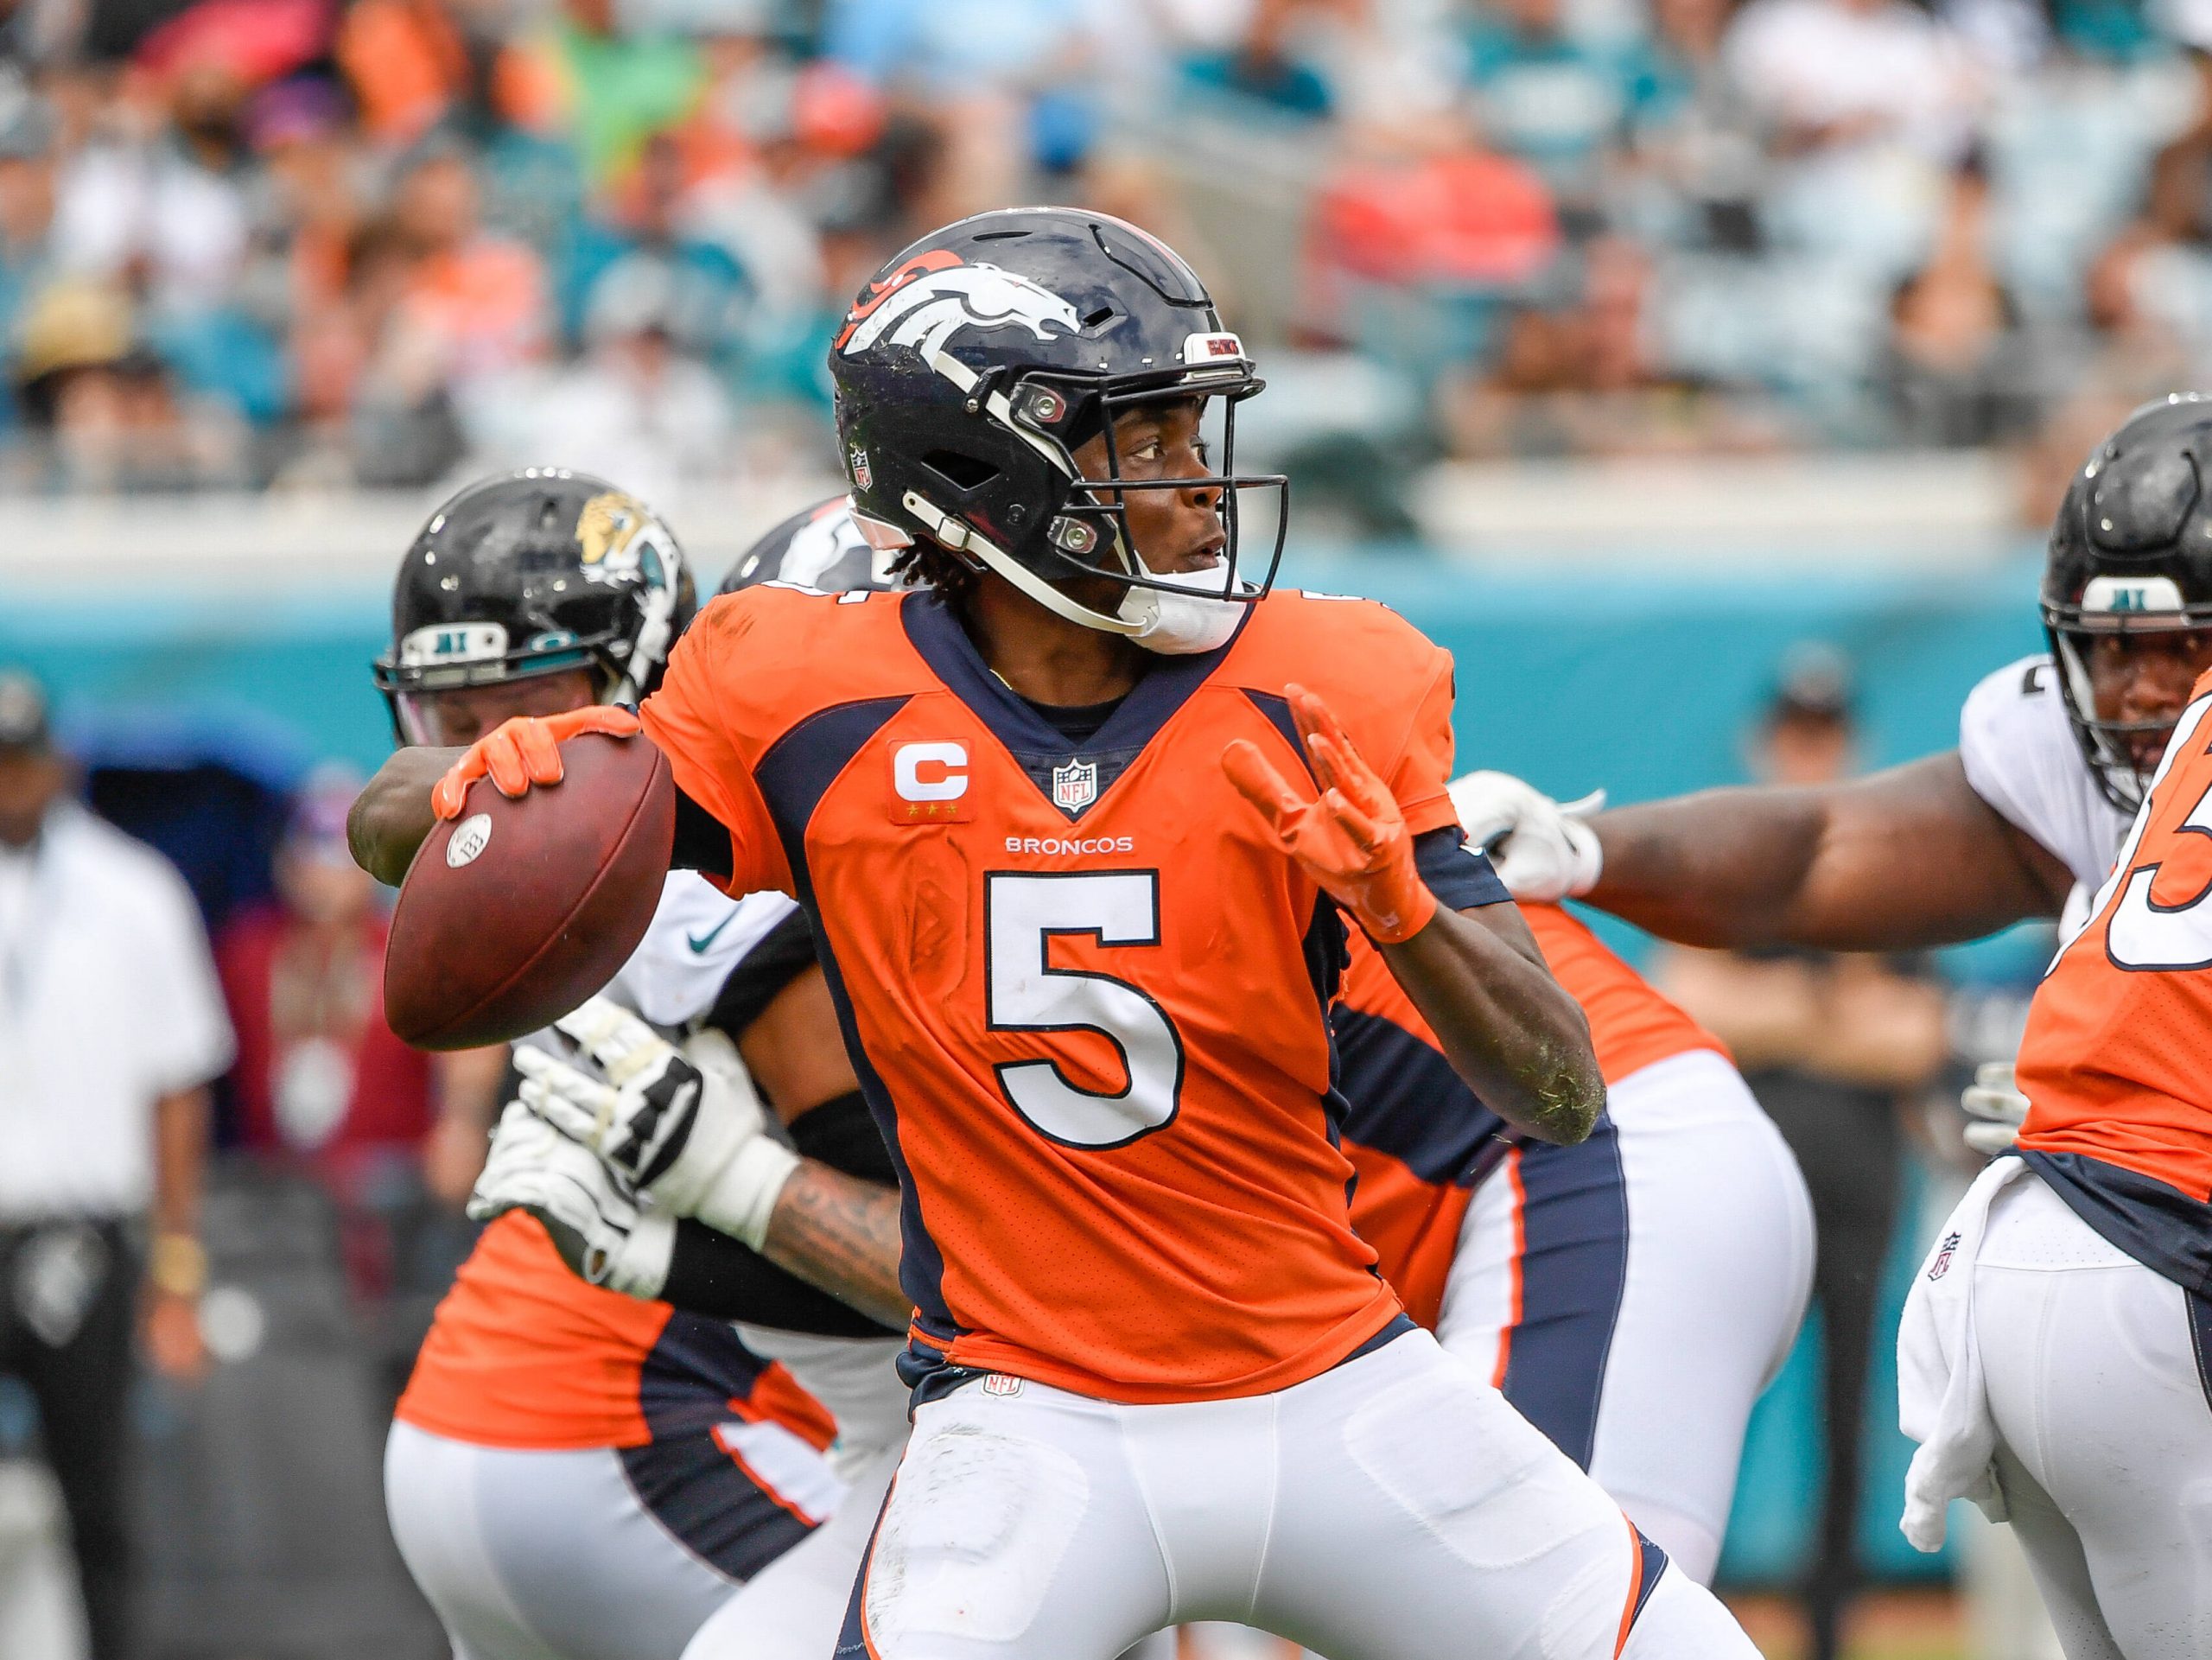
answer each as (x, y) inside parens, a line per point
(1075, 786)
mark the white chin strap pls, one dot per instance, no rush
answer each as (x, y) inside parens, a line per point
(1172, 623)
(1178, 623)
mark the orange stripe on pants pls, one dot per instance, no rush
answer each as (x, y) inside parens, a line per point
(1634, 1584)
(1520, 1249)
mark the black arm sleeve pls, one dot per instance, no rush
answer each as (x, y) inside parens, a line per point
(842, 1134)
(701, 840)
(714, 1275)
(1460, 876)
(785, 952)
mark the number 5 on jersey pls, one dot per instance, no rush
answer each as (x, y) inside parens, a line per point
(1118, 908)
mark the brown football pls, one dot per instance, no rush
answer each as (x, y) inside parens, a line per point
(519, 910)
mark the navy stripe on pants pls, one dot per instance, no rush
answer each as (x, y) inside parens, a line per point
(1573, 1271)
(710, 1503)
(852, 1638)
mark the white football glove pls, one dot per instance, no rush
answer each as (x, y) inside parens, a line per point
(596, 1224)
(694, 1138)
(1543, 851)
(1993, 1101)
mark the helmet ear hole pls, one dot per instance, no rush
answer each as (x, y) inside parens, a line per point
(965, 474)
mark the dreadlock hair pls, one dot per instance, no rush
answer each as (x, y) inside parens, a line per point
(923, 563)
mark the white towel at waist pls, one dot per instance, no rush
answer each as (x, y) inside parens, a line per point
(1940, 1401)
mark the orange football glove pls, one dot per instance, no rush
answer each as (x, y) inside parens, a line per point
(1353, 840)
(524, 752)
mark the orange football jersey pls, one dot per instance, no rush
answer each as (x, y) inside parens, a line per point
(1420, 1138)
(1087, 994)
(522, 1353)
(2117, 1062)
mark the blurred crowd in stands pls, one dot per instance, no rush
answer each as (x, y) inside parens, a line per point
(326, 242)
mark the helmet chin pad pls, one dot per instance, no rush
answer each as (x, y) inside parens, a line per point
(1187, 613)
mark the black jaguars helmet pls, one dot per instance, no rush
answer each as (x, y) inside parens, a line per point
(818, 547)
(977, 361)
(532, 572)
(2130, 554)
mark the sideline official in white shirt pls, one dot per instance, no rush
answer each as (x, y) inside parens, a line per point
(112, 1026)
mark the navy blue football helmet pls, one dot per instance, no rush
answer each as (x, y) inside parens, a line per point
(978, 361)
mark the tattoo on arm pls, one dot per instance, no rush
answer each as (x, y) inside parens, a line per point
(841, 1234)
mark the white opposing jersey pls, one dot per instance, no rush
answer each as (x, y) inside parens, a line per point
(697, 936)
(2021, 757)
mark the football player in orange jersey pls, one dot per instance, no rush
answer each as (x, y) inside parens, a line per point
(1083, 932)
(1605, 1288)
(575, 1474)
(1641, 1349)
(2055, 1358)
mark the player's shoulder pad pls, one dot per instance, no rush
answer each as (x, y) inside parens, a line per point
(1354, 654)
(2008, 703)
(2019, 749)
(697, 936)
(779, 645)
(779, 606)
(1369, 634)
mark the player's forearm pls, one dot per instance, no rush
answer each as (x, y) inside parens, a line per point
(392, 815)
(1903, 859)
(1507, 1028)
(1720, 867)
(841, 1234)
(711, 1274)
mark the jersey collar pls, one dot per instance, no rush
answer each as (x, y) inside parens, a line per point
(934, 628)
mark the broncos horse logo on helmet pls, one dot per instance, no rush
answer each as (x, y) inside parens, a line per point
(930, 299)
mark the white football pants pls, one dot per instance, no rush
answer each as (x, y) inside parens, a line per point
(1394, 1508)
(2095, 1384)
(555, 1556)
(792, 1609)
(1633, 1295)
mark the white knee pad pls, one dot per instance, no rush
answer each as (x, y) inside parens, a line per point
(973, 1537)
(1474, 1472)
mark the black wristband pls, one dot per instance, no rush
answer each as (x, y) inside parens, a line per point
(1460, 876)
(841, 1133)
(710, 1272)
(783, 953)
(701, 840)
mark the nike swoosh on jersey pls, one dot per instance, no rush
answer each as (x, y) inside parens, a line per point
(699, 943)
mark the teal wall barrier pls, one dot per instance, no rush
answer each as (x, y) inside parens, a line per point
(1641, 684)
